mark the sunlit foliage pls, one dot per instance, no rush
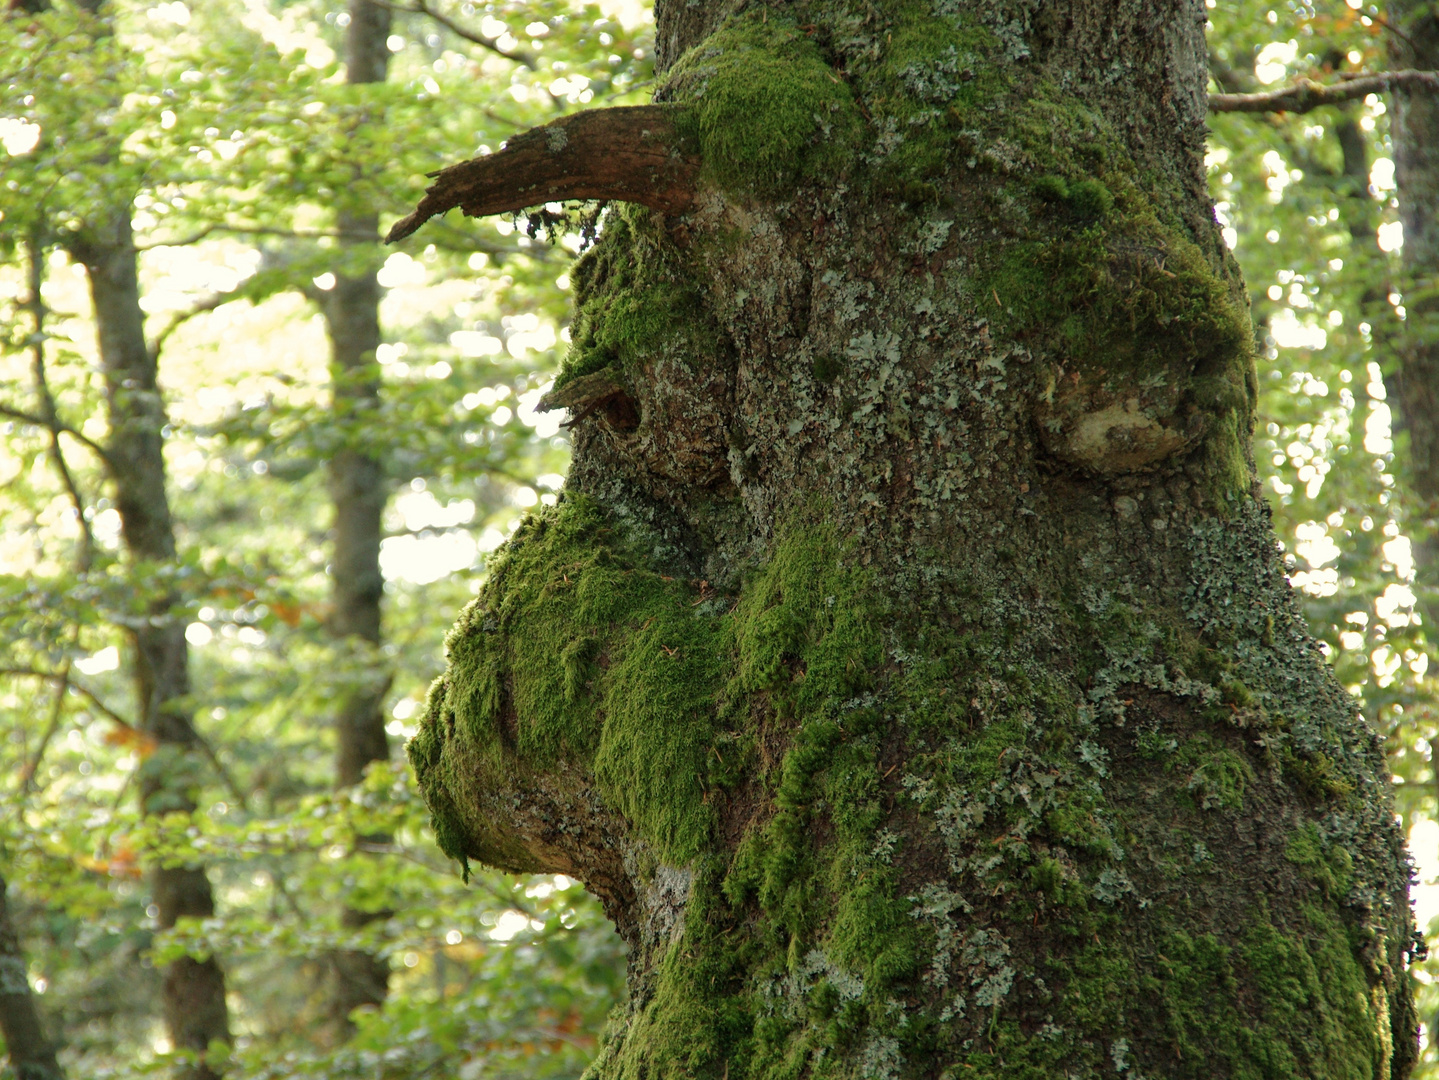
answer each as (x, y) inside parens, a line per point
(230, 128)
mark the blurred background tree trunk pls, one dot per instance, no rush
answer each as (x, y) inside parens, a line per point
(193, 993)
(359, 490)
(1415, 134)
(32, 1055)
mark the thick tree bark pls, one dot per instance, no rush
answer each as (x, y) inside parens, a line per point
(32, 1056)
(359, 490)
(1414, 129)
(908, 666)
(193, 991)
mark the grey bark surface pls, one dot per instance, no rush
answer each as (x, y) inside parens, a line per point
(359, 491)
(32, 1055)
(909, 666)
(193, 991)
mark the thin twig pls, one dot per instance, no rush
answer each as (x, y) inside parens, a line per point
(36, 303)
(420, 7)
(258, 230)
(1306, 94)
(234, 788)
(57, 712)
(1400, 34)
(83, 691)
(200, 307)
(40, 421)
(62, 677)
(124, 789)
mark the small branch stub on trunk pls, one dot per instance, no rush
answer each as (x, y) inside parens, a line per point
(629, 153)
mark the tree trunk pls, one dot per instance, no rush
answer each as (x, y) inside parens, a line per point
(1414, 129)
(32, 1056)
(193, 991)
(359, 490)
(908, 665)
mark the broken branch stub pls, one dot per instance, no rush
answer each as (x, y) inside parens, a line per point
(630, 154)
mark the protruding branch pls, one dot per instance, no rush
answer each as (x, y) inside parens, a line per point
(1307, 95)
(586, 390)
(629, 153)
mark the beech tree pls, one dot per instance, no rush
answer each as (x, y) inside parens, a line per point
(908, 665)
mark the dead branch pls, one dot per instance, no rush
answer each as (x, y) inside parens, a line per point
(585, 391)
(629, 154)
(1307, 95)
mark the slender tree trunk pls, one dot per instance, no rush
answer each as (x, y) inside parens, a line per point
(908, 666)
(359, 490)
(1414, 129)
(193, 991)
(32, 1056)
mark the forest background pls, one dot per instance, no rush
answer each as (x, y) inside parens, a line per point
(250, 170)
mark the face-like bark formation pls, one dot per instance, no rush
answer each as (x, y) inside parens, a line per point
(908, 664)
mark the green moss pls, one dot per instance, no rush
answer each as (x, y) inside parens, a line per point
(1315, 986)
(827, 368)
(767, 109)
(698, 1021)
(1315, 775)
(934, 81)
(635, 300)
(1051, 188)
(1330, 866)
(1124, 298)
(804, 938)
(1149, 338)
(576, 651)
(1090, 200)
(763, 106)
(1316, 1015)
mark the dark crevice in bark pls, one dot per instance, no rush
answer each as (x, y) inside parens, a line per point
(193, 991)
(32, 1055)
(359, 490)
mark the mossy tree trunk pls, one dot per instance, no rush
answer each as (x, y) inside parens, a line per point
(908, 665)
